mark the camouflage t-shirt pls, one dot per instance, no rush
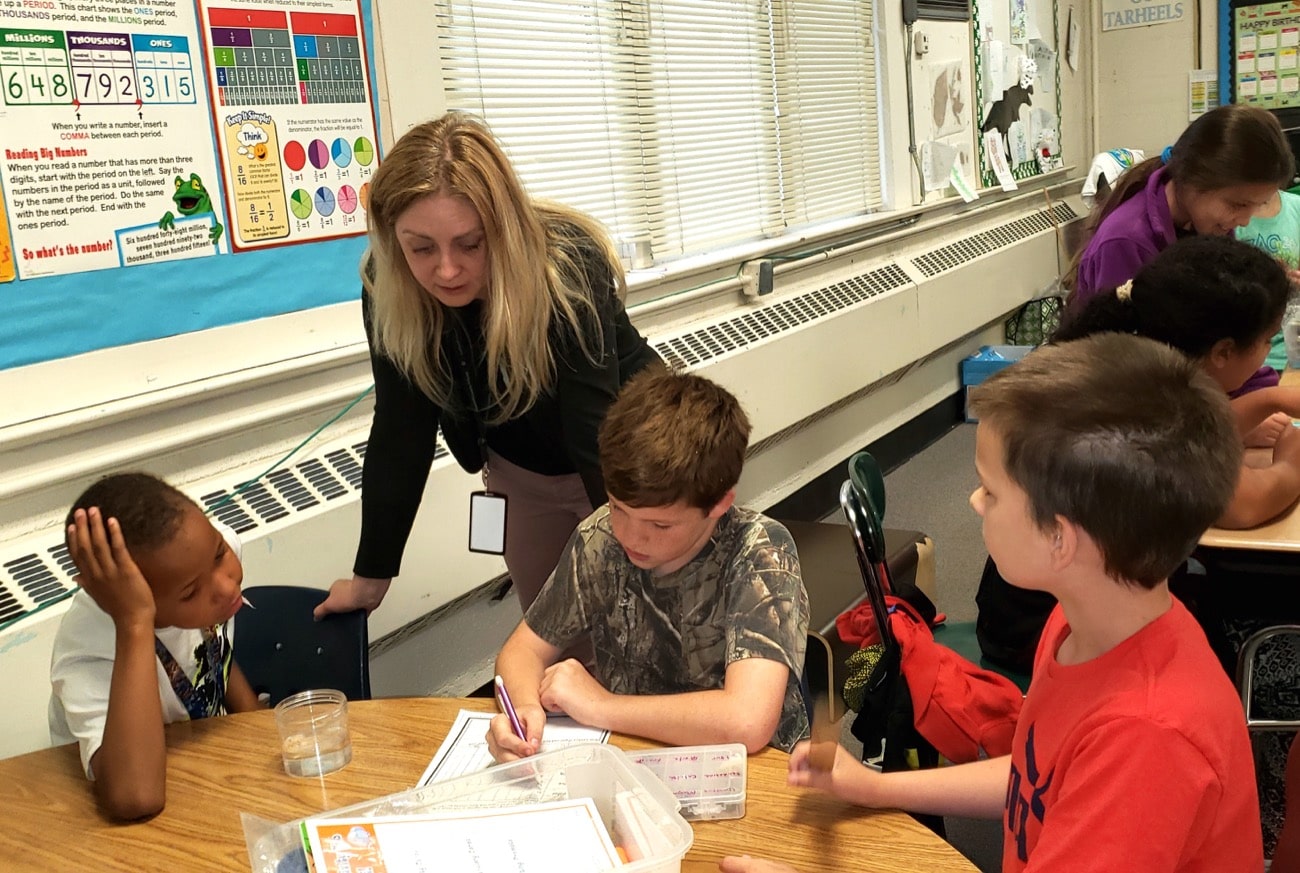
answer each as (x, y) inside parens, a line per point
(740, 597)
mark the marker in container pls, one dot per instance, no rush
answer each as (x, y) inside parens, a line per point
(503, 701)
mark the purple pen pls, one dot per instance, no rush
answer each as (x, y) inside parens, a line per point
(503, 701)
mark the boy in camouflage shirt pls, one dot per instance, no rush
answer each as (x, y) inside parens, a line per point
(695, 607)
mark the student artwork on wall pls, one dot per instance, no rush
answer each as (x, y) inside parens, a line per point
(944, 106)
(1017, 89)
(135, 141)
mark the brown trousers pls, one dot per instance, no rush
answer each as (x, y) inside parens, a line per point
(541, 514)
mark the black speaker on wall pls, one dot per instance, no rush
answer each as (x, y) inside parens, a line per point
(938, 10)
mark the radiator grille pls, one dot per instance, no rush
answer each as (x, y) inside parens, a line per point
(715, 340)
(36, 578)
(962, 251)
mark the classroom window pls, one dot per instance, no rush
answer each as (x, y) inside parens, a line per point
(684, 125)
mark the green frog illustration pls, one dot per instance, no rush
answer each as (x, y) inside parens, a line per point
(191, 199)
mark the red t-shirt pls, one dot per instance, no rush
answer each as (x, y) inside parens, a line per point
(1136, 760)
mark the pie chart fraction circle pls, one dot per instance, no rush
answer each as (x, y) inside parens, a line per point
(319, 154)
(324, 202)
(295, 156)
(348, 199)
(364, 151)
(300, 204)
(341, 152)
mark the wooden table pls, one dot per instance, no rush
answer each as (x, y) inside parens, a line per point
(1282, 534)
(220, 767)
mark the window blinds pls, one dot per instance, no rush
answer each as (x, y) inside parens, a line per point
(683, 126)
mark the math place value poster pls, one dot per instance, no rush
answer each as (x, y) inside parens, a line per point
(107, 158)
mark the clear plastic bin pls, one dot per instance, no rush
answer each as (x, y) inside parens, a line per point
(591, 770)
(708, 781)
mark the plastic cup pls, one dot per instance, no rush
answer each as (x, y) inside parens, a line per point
(1291, 334)
(313, 729)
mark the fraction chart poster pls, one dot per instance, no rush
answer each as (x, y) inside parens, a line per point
(99, 107)
(294, 117)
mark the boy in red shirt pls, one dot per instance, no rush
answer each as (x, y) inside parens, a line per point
(1101, 462)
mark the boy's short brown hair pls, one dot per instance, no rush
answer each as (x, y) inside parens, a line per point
(1124, 437)
(672, 437)
(147, 509)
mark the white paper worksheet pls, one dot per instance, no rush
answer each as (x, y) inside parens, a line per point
(465, 750)
(522, 838)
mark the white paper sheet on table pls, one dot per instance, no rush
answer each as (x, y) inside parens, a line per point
(465, 750)
(515, 838)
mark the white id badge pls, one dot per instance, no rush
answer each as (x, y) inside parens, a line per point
(487, 522)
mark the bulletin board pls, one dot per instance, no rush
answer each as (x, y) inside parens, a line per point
(1017, 89)
(169, 167)
(1265, 45)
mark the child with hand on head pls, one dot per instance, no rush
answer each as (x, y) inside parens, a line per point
(147, 639)
(1131, 751)
(695, 607)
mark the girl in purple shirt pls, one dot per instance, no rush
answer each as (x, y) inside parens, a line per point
(1223, 168)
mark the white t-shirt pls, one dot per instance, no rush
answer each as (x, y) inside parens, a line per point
(81, 668)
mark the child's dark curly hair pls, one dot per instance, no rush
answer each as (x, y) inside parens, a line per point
(147, 509)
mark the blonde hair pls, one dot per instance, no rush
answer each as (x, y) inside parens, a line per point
(537, 256)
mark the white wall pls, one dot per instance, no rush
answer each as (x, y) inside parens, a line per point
(1142, 84)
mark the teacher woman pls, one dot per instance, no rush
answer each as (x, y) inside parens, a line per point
(499, 319)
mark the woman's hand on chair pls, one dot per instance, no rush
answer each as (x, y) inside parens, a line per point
(346, 595)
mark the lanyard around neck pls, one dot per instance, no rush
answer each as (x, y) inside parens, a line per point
(208, 698)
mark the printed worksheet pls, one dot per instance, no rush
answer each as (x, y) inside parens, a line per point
(514, 838)
(465, 750)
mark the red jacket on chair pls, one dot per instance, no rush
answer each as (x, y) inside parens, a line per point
(958, 706)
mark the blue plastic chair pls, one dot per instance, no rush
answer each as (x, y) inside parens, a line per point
(283, 650)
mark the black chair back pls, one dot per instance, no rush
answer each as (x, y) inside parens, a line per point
(283, 650)
(871, 560)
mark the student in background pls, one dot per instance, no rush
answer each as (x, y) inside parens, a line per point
(1217, 301)
(498, 320)
(1276, 229)
(1131, 752)
(695, 606)
(1225, 166)
(1222, 170)
(147, 640)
